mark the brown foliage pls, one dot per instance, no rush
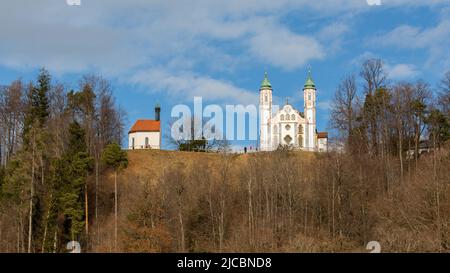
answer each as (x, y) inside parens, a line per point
(282, 202)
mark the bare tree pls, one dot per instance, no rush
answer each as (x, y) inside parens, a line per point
(374, 75)
(374, 78)
(344, 110)
(401, 103)
(11, 119)
(444, 95)
(421, 96)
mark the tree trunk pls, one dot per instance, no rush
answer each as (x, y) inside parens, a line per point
(42, 169)
(1, 225)
(96, 191)
(115, 211)
(30, 218)
(211, 212)
(46, 225)
(437, 194)
(305, 221)
(400, 150)
(180, 218)
(221, 225)
(18, 236)
(250, 212)
(86, 211)
(55, 241)
(333, 209)
(416, 144)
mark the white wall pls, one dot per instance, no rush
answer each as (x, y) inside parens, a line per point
(310, 117)
(322, 145)
(154, 140)
(265, 113)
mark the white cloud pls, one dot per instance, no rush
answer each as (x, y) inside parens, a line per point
(401, 71)
(118, 35)
(324, 105)
(358, 60)
(333, 36)
(285, 49)
(407, 36)
(120, 38)
(70, 49)
(413, 2)
(186, 85)
(334, 30)
(436, 40)
(398, 71)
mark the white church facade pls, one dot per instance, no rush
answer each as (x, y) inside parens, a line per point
(288, 126)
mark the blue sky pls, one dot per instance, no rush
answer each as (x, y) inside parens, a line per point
(167, 51)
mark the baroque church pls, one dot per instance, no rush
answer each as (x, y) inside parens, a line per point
(287, 126)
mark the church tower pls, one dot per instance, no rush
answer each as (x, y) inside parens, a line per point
(265, 114)
(309, 93)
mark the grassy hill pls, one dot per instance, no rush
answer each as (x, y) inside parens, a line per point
(151, 163)
(277, 202)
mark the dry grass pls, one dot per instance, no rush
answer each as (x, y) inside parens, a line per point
(277, 202)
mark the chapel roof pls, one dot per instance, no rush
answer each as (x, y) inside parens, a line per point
(146, 125)
(322, 135)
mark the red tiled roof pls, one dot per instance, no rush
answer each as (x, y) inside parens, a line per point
(146, 125)
(322, 135)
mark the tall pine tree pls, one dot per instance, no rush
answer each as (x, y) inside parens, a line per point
(37, 104)
(69, 180)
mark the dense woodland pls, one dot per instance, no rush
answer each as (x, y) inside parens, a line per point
(51, 143)
(64, 177)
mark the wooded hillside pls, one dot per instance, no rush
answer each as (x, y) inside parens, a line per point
(282, 201)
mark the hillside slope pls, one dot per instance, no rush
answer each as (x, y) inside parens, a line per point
(277, 202)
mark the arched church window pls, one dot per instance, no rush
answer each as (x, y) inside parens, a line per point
(282, 117)
(293, 117)
(300, 129)
(287, 117)
(309, 96)
(275, 129)
(265, 98)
